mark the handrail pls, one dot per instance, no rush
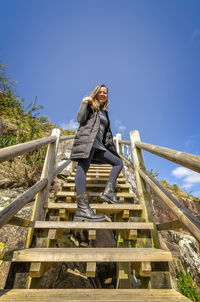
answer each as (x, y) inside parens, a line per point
(171, 225)
(7, 213)
(127, 161)
(61, 167)
(16, 150)
(191, 222)
(65, 138)
(124, 142)
(187, 160)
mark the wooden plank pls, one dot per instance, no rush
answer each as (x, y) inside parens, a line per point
(102, 170)
(22, 222)
(125, 214)
(86, 225)
(145, 269)
(124, 280)
(55, 234)
(89, 255)
(120, 186)
(108, 208)
(99, 179)
(92, 234)
(62, 213)
(91, 269)
(130, 234)
(98, 174)
(172, 225)
(38, 269)
(92, 166)
(103, 295)
(94, 194)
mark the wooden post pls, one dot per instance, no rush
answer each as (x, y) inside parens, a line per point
(123, 269)
(143, 240)
(148, 212)
(138, 163)
(119, 147)
(142, 187)
(42, 198)
(72, 166)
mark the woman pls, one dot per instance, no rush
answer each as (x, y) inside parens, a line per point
(93, 143)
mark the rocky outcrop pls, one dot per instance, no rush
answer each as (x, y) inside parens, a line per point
(184, 247)
(6, 128)
(185, 251)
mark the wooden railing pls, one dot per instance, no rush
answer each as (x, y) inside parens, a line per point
(42, 187)
(145, 181)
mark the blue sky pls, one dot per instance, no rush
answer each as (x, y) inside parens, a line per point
(147, 52)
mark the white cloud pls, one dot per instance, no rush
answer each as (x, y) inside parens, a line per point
(71, 125)
(189, 177)
(180, 172)
(118, 124)
(196, 194)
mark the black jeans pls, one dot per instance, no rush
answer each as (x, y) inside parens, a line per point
(83, 165)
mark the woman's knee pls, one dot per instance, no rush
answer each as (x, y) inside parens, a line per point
(119, 163)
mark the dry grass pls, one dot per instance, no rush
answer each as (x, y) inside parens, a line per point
(19, 172)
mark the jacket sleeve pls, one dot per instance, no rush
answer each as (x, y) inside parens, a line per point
(83, 112)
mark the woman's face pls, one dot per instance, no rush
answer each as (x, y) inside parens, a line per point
(102, 95)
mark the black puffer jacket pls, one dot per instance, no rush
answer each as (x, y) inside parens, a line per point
(86, 134)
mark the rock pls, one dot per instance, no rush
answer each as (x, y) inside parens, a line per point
(189, 254)
(64, 151)
(130, 176)
(6, 128)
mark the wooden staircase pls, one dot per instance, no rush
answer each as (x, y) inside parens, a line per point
(134, 254)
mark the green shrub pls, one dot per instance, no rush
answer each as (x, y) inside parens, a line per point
(176, 188)
(7, 140)
(153, 173)
(187, 286)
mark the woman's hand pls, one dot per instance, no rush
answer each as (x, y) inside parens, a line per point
(87, 99)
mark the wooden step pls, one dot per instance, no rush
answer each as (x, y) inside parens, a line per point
(88, 255)
(103, 170)
(91, 225)
(100, 208)
(101, 166)
(98, 295)
(98, 174)
(118, 186)
(96, 180)
(93, 194)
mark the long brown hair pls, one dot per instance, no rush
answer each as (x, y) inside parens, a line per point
(94, 94)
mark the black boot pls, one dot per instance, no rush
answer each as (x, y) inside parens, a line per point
(84, 212)
(109, 194)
